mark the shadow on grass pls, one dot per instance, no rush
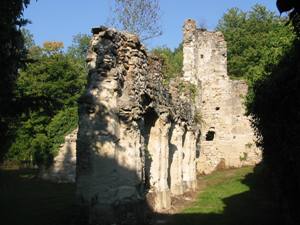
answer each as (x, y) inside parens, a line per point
(255, 206)
(26, 199)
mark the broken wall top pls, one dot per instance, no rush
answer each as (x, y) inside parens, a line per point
(138, 76)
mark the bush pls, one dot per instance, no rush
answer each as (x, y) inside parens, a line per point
(172, 62)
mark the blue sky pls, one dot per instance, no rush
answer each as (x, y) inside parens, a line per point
(59, 20)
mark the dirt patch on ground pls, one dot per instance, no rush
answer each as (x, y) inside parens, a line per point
(179, 203)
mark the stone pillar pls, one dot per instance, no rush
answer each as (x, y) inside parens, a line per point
(189, 161)
(158, 147)
(129, 154)
(176, 157)
(189, 47)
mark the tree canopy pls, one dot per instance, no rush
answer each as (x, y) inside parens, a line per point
(13, 54)
(172, 61)
(79, 47)
(256, 40)
(47, 91)
(275, 111)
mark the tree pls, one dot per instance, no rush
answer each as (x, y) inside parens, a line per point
(172, 61)
(47, 90)
(28, 38)
(141, 17)
(256, 40)
(276, 118)
(80, 46)
(294, 7)
(12, 57)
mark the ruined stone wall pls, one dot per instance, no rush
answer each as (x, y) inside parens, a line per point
(63, 168)
(138, 143)
(227, 139)
(136, 140)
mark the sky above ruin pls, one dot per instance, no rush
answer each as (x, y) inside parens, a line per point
(60, 20)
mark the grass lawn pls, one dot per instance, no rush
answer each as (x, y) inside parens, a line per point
(25, 199)
(232, 197)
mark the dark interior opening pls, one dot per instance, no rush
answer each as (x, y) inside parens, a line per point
(210, 135)
(198, 145)
(146, 100)
(217, 108)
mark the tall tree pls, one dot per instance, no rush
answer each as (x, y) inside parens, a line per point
(172, 61)
(48, 89)
(256, 39)
(141, 17)
(13, 53)
(79, 46)
(276, 118)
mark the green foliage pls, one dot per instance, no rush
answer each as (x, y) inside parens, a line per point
(256, 40)
(48, 90)
(275, 110)
(172, 61)
(12, 56)
(61, 124)
(244, 157)
(187, 88)
(79, 48)
(276, 118)
(30, 126)
(38, 136)
(28, 38)
(53, 82)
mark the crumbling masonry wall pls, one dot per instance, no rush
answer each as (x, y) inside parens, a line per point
(136, 140)
(63, 168)
(138, 143)
(227, 138)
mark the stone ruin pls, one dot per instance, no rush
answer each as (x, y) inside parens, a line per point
(140, 143)
(63, 170)
(227, 139)
(136, 140)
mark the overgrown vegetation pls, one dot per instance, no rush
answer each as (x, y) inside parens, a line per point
(12, 57)
(172, 61)
(47, 91)
(256, 41)
(275, 109)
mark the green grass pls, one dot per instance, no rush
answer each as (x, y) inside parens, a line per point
(220, 185)
(26, 199)
(232, 197)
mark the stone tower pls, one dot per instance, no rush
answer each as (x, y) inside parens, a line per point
(227, 138)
